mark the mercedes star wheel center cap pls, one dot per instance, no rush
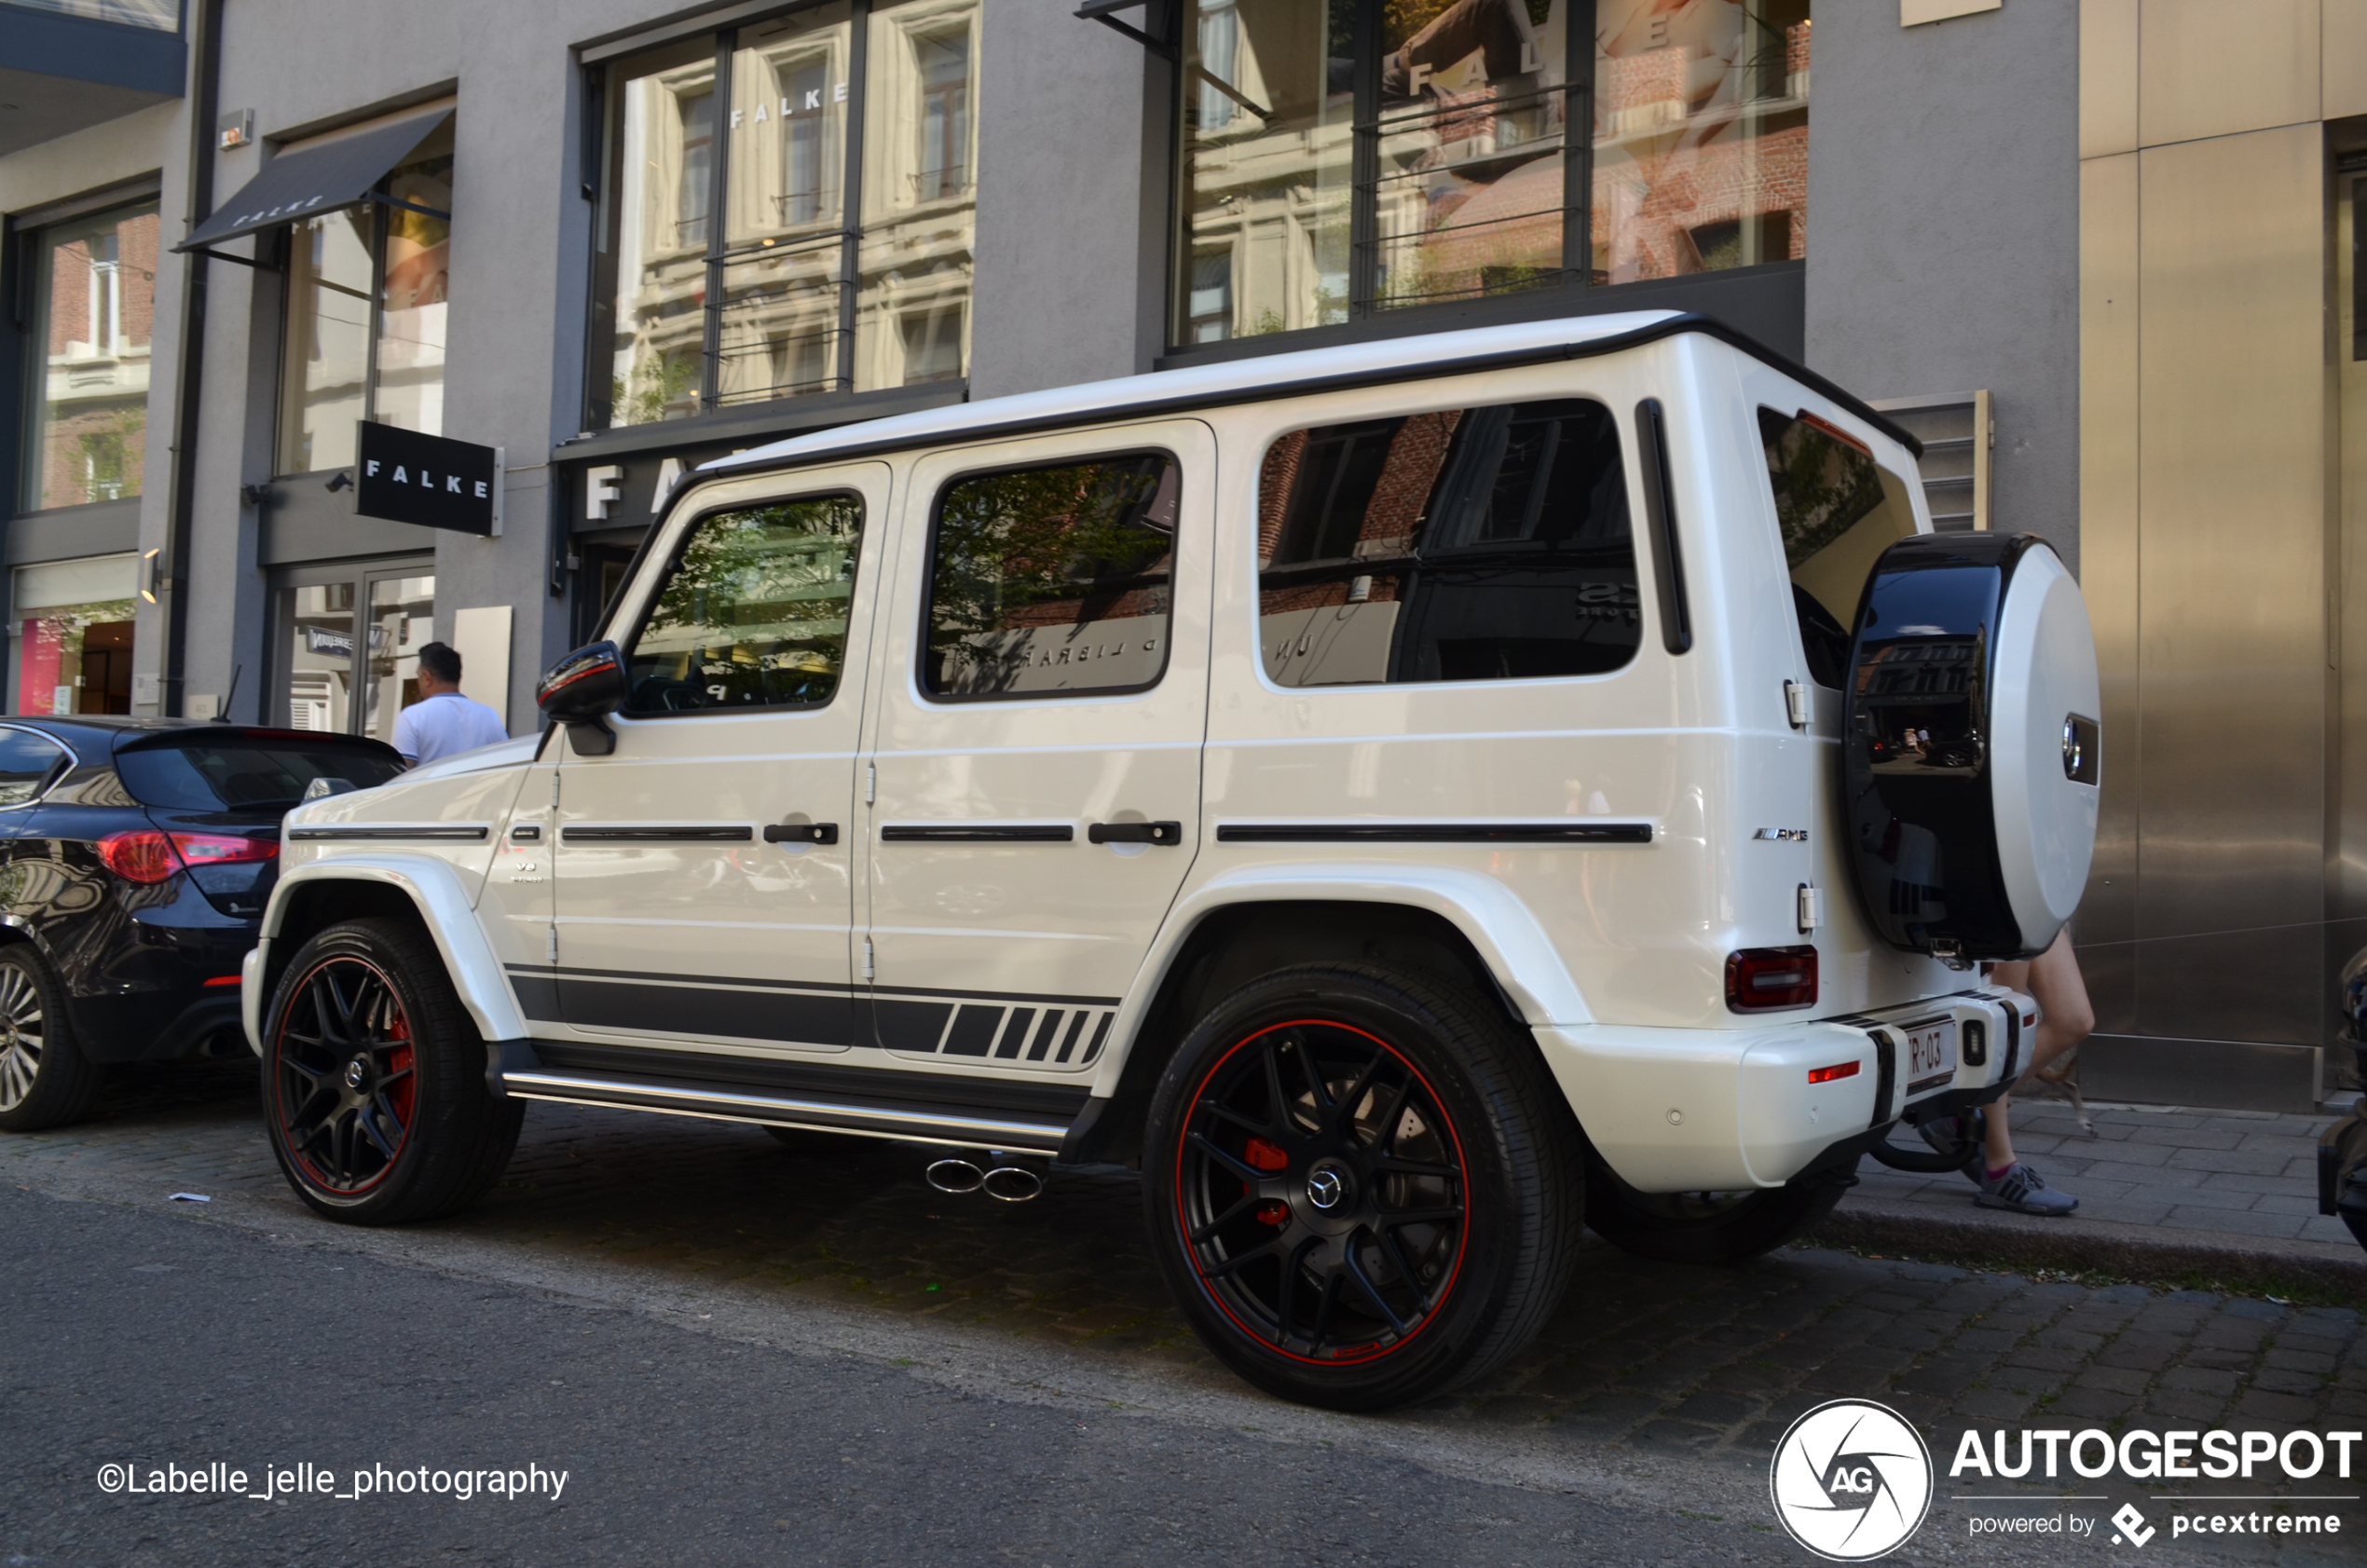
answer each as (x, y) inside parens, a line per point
(1327, 1188)
(355, 1072)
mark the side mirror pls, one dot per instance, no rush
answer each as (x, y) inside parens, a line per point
(581, 692)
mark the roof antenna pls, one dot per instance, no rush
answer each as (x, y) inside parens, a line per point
(222, 714)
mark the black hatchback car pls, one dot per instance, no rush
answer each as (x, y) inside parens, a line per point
(136, 856)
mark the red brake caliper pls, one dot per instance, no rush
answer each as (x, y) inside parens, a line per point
(1263, 1155)
(405, 1093)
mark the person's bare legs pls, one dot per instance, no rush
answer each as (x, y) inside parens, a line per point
(2065, 1018)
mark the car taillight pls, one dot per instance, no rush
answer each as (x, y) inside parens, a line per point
(1815, 1074)
(1762, 979)
(144, 855)
(214, 848)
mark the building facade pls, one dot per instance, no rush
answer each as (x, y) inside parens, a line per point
(617, 239)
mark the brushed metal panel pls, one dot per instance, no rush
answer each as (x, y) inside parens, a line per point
(2231, 649)
(2223, 1074)
(2207, 68)
(2108, 496)
(2347, 882)
(2109, 969)
(2107, 77)
(2342, 58)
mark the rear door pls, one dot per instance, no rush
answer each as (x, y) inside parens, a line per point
(1042, 705)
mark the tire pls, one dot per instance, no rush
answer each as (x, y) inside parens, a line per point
(373, 1090)
(1389, 1226)
(45, 1079)
(1702, 1227)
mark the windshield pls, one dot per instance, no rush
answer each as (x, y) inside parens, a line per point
(235, 773)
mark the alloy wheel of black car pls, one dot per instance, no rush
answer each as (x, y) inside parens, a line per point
(374, 1083)
(1323, 1190)
(45, 1080)
(1362, 1185)
(348, 1075)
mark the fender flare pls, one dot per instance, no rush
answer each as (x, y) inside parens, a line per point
(1498, 926)
(445, 908)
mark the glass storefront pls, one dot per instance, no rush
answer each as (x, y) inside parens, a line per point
(367, 295)
(348, 639)
(824, 270)
(1325, 179)
(94, 284)
(69, 636)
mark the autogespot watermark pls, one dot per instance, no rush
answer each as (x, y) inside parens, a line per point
(276, 1483)
(1853, 1480)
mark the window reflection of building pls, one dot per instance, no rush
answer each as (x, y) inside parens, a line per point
(1473, 186)
(94, 304)
(70, 635)
(792, 270)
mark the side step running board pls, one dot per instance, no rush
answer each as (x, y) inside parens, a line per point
(873, 1118)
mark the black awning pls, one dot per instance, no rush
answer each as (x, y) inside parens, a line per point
(315, 180)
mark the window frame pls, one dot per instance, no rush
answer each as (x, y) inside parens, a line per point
(24, 243)
(604, 147)
(649, 606)
(1643, 550)
(379, 205)
(921, 626)
(1368, 318)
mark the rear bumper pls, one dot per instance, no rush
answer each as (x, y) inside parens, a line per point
(156, 1027)
(1680, 1110)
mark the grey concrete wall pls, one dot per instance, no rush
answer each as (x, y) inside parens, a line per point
(1943, 229)
(1062, 173)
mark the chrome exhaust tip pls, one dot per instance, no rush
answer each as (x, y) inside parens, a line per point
(1012, 1184)
(955, 1176)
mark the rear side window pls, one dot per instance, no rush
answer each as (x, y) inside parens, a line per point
(753, 613)
(1487, 543)
(232, 774)
(26, 761)
(1053, 581)
(1838, 509)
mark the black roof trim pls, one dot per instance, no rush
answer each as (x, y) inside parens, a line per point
(1183, 402)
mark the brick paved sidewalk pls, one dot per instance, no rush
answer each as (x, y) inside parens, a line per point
(1642, 1359)
(2163, 1192)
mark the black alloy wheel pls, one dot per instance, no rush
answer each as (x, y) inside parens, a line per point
(1362, 1185)
(45, 1079)
(374, 1081)
(1321, 1190)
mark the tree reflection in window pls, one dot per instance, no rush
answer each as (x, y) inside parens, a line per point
(1053, 578)
(753, 613)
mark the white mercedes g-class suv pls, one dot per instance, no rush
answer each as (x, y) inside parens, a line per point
(1411, 799)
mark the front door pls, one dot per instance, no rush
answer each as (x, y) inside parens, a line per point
(701, 873)
(1041, 704)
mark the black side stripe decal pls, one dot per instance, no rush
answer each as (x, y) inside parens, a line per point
(390, 835)
(962, 833)
(741, 834)
(1435, 833)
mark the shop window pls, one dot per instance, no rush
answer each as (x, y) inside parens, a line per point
(753, 613)
(368, 289)
(842, 260)
(347, 641)
(1361, 157)
(1052, 582)
(1472, 545)
(94, 284)
(1838, 511)
(70, 635)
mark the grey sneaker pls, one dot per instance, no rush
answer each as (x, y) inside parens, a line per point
(2021, 1189)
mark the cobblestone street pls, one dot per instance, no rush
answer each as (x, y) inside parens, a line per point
(1645, 1361)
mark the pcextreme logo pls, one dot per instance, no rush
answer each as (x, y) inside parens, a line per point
(1852, 1480)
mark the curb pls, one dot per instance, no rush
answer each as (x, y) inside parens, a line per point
(2132, 1251)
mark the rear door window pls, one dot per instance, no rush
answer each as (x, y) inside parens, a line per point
(26, 762)
(1472, 545)
(233, 774)
(1838, 511)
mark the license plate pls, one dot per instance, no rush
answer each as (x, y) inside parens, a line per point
(1931, 1055)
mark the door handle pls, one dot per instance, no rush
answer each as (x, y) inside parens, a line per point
(1167, 833)
(801, 833)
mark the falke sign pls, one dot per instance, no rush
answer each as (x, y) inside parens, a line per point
(437, 483)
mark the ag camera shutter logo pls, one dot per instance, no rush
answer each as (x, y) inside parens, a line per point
(1852, 1480)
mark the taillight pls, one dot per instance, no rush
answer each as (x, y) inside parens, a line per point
(1763, 979)
(212, 849)
(1815, 1074)
(144, 855)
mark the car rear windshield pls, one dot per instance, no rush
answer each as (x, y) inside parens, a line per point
(235, 773)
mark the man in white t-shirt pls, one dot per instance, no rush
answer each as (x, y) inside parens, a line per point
(442, 721)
